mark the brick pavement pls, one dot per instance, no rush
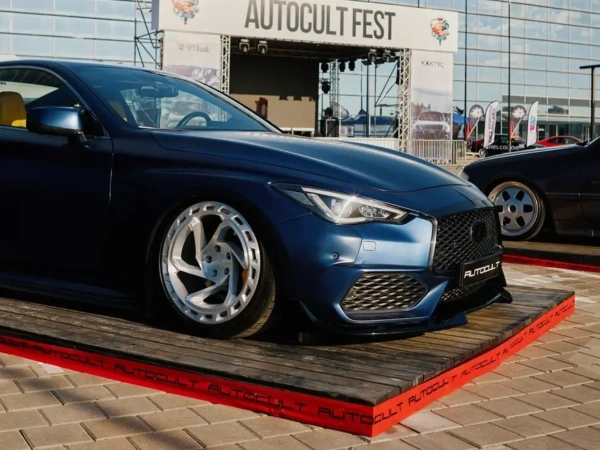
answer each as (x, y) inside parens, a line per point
(545, 397)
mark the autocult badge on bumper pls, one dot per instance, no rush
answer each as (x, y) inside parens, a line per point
(480, 270)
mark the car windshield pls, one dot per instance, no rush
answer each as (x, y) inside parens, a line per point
(145, 99)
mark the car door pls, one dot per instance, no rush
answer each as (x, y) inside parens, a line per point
(54, 194)
(570, 141)
(589, 184)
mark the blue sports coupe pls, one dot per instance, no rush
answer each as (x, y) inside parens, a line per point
(133, 187)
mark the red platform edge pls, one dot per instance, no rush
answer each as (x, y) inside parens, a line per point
(328, 413)
(526, 260)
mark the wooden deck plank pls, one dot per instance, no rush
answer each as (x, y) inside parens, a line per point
(361, 372)
(311, 370)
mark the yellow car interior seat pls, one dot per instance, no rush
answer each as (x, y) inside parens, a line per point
(12, 110)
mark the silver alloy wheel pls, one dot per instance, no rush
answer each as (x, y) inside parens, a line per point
(520, 207)
(210, 263)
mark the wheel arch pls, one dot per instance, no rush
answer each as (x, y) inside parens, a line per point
(262, 227)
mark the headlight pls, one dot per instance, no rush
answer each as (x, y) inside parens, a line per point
(446, 127)
(342, 209)
(464, 175)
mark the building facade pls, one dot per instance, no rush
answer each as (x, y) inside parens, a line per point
(514, 52)
(101, 30)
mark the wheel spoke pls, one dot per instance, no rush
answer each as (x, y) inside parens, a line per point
(199, 297)
(233, 280)
(216, 238)
(238, 254)
(199, 239)
(182, 266)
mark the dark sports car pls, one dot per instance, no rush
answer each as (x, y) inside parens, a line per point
(133, 187)
(500, 146)
(557, 187)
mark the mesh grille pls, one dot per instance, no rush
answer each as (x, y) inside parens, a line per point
(454, 243)
(381, 292)
(453, 295)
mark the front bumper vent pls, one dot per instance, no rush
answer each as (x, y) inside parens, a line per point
(452, 295)
(378, 292)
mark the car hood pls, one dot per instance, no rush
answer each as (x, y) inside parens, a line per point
(373, 167)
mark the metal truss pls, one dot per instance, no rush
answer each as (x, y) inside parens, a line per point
(148, 48)
(404, 105)
(225, 63)
(334, 97)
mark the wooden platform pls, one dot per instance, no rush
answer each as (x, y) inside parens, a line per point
(560, 255)
(362, 388)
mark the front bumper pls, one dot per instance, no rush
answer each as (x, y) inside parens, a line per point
(392, 268)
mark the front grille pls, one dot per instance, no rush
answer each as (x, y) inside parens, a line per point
(458, 293)
(454, 243)
(383, 292)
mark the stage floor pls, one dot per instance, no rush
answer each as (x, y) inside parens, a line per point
(362, 388)
(553, 254)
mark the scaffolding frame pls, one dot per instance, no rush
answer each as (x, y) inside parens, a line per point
(404, 104)
(148, 43)
(225, 63)
(334, 96)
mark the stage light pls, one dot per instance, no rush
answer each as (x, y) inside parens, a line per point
(342, 66)
(244, 45)
(262, 47)
(324, 67)
(372, 56)
(326, 87)
(387, 55)
(352, 65)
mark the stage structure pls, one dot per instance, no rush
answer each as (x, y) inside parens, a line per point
(276, 56)
(147, 50)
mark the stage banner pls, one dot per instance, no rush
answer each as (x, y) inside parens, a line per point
(341, 22)
(532, 127)
(490, 124)
(476, 113)
(516, 115)
(431, 96)
(193, 55)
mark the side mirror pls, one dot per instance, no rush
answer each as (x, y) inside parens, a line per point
(56, 121)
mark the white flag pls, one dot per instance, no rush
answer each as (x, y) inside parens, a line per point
(532, 126)
(490, 124)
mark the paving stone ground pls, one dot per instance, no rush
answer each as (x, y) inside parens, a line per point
(544, 398)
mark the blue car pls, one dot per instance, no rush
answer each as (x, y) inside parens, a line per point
(132, 188)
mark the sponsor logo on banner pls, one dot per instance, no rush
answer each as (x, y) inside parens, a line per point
(476, 113)
(440, 29)
(490, 124)
(194, 56)
(186, 9)
(341, 22)
(532, 127)
(516, 115)
(431, 96)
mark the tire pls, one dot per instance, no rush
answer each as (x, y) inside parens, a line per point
(214, 273)
(524, 212)
(483, 153)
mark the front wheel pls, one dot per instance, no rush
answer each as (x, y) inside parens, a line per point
(523, 213)
(216, 274)
(483, 153)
